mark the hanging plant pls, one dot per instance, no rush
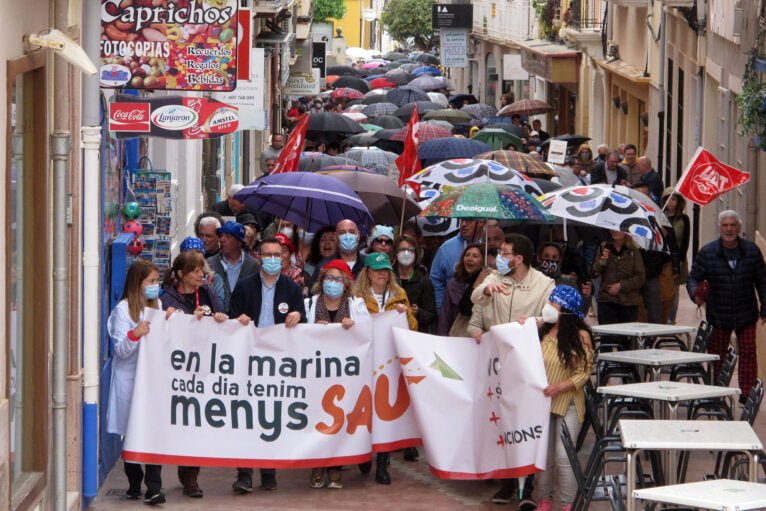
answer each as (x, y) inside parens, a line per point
(752, 104)
(546, 12)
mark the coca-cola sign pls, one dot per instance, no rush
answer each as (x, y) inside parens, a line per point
(172, 117)
(129, 117)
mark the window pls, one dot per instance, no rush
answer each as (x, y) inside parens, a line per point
(29, 274)
(668, 121)
(492, 79)
(680, 125)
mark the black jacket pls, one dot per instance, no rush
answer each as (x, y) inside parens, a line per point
(249, 267)
(173, 298)
(598, 174)
(246, 299)
(420, 292)
(732, 301)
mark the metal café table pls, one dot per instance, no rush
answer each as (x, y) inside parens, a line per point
(642, 331)
(656, 358)
(719, 494)
(674, 435)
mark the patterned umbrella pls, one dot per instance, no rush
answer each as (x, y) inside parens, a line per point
(379, 109)
(462, 172)
(377, 160)
(386, 122)
(487, 200)
(449, 115)
(309, 200)
(438, 97)
(405, 111)
(430, 70)
(608, 207)
(499, 139)
(375, 98)
(525, 107)
(406, 94)
(520, 161)
(426, 132)
(480, 110)
(382, 83)
(380, 194)
(431, 83)
(346, 93)
(440, 149)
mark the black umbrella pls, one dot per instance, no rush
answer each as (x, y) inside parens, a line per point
(376, 98)
(393, 146)
(394, 55)
(341, 71)
(459, 99)
(404, 112)
(510, 128)
(354, 102)
(323, 123)
(362, 139)
(386, 122)
(427, 58)
(352, 82)
(386, 134)
(402, 78)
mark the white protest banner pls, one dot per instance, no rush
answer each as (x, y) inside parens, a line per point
(228, 395)
(480, 407)
(393, 425)
(557, 152)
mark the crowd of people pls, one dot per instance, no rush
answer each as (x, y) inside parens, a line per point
(241, 263)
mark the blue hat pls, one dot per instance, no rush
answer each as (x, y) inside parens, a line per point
(568, 298)
(233, 228)
(192, 243)
(381, 230)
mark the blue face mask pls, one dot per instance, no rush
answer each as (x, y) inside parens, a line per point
(348, 242)
(272, 265)
(502, 264)
(152, 291)
(332, 289)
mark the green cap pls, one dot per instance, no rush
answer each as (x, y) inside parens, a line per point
(377, 261)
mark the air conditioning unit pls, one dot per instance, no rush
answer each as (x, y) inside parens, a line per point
(613, 50)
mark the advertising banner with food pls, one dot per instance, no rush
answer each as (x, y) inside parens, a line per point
(226, 394)
(171, 117)
(169, 44)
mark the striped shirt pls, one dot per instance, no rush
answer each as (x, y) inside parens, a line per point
(557, 373)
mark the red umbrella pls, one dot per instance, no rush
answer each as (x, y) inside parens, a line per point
(426, 132)
(346, 93)
(382, 83)
(525, 107)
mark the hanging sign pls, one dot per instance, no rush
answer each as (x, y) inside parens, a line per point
(454, 47)
(176, 45)
(172, 117)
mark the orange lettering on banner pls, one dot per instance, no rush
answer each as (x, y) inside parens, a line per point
(336, 412)
(361, 415)
(385, 411)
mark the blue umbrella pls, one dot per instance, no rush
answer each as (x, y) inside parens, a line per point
(440, 149)
(313, 161)
(426, 70)
(311, 201)
(406, 94)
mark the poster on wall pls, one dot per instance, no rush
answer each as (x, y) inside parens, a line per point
(170, 45)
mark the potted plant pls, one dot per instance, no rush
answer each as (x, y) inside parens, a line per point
(752, 103)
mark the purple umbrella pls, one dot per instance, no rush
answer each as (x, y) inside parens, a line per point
(311, 201)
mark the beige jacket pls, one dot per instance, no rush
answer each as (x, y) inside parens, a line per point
(524, 299)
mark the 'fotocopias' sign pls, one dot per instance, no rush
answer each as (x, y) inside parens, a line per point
(166, 44)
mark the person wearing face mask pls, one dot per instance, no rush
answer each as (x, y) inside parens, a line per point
(514, 290)
(347, 233)
(550, 261)
(585, 154)
(267, 298)
(332, 302)
(126, 326)
(420, 291)
(568, 359)
(289, 268)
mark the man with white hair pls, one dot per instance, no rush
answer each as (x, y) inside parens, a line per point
(726, 276)
(230, 206)
(205, 228)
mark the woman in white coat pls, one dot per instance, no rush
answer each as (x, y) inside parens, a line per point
(332, 302)
(127, 326)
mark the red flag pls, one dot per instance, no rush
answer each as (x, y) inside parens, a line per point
(408, 162)
(291, 154)
(705, 178)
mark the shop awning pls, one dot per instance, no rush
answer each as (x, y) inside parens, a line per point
(554, 63)
(625, 70)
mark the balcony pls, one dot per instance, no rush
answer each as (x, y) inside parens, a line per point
(267, 8)
(585, 15)
(502, 21)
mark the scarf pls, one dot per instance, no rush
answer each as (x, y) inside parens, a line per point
(322, 314)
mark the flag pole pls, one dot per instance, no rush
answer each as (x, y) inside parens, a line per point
(683, 176)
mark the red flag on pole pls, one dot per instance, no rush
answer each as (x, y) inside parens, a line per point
(408, 162)
(291, 154)
(705, 178)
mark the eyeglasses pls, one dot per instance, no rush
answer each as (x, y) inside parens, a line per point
(330, 278)
(383, 241)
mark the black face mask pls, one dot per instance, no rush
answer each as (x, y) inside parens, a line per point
(550, 268)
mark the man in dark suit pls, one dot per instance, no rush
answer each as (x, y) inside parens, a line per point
(232, 262)
(609, 171)
(267, 298)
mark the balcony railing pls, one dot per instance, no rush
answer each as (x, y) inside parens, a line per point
(586, 15)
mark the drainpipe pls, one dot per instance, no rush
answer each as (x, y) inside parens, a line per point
(661, 100)
(61, 146)
(701, 56)
(91, 285)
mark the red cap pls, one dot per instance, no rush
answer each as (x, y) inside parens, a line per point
(341, 266)
(284, 241)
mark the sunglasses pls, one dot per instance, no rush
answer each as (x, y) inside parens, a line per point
(383, 241)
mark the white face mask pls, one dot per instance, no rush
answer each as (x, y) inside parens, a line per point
(406, 258)
(287, 231)
(550, 313)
